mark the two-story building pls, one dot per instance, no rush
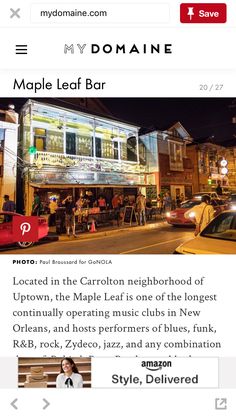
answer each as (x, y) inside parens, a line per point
(175, 169)
(66, 151)
(213, 165)
(8, 153)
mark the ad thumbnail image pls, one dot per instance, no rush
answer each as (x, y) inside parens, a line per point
(118, 176)
(54, 372)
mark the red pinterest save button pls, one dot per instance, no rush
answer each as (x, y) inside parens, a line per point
(203, 13)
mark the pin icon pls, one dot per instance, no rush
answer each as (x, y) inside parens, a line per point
(25, 228)
(190, 12)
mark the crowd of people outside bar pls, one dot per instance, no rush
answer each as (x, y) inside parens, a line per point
(76, 211)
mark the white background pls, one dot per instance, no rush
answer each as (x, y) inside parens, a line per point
(202, 55)
(217, 281)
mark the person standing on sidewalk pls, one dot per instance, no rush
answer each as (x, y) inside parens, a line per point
(148, 209)
(182, 198)
(219, 189)
(8, 206)
(37, 206)
(167, 202)
(52, 209)
(203, 214)
(102, 203)
(160, 204)
(70, 215)
(141, 208)
(116, 207)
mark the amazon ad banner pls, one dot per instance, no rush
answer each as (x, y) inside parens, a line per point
(155, 372)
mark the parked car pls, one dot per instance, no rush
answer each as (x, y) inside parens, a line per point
(177, 216)
(198, 195)
(231, 201)
(6, 231)
(219, 237)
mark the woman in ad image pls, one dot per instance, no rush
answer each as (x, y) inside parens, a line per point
(69, 376)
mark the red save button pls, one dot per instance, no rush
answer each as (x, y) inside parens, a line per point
(203, 13)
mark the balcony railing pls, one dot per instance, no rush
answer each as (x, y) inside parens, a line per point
(86, 164)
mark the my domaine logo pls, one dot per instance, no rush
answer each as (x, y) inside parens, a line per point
(25, 229)
(157, 48)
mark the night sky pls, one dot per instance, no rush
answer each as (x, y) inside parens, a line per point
(202, 118)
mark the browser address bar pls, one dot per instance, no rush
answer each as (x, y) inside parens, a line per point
(92, 13)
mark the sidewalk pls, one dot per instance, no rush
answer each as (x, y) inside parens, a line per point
(112, 230)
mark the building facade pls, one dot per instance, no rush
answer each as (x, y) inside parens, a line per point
(66, 151)
(175, 169)
(230, 156)
(213, 165)
(8, 153)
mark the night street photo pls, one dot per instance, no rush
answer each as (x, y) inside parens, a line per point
(117, 176)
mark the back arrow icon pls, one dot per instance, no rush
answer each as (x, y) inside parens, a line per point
(13, 404)
(46, 404)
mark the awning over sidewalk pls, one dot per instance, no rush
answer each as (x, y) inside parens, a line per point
(70, 186)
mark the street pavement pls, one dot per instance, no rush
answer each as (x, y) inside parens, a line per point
(155, 238)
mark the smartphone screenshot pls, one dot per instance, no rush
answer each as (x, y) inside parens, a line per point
(118, 209)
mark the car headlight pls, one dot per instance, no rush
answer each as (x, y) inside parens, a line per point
(233, 207)
(167, 214)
